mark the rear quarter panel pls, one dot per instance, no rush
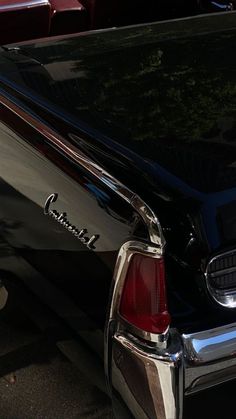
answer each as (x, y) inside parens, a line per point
(39, 252)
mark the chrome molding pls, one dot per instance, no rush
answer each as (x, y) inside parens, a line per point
(114, 323)
(24, 4)
(210, 357)
(190, 363)
(151, 384)
(146, 213)
(224, 297)
(210, 345)
(223, 7)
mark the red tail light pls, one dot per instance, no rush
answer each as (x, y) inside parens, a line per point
(143, 300)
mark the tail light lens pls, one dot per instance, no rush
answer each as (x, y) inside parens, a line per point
(143, 300)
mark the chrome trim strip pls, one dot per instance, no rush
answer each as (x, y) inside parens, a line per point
(25, 4)
(114, 323)
(222, 272)
(158, 373)
(146, 213)
(210, 345)
(210, 357)
(226, 298)
(190, 363)
(211, 375)
(222, 7)
(220, 256)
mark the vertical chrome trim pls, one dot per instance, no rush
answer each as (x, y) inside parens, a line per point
(146, 213)
(161, 357)
(114, 324)
(126, 252)
(155, 374)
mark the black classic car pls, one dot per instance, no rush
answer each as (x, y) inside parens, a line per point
(118, 199)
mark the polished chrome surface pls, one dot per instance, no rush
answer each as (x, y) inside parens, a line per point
(188, 364)
(210, 345)
(207, 376)
(226, 296)
(223, 7)
(24, 4)
(202, 377)
(210, 357)
(162, 395)
(126, 346)
(149, 217)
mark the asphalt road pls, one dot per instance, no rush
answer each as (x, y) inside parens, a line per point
(54, 389)
(51, 391)
(37, 381)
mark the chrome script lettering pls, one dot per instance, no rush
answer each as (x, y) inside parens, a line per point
(62, 219)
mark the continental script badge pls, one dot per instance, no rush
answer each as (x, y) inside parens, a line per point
(61, 218)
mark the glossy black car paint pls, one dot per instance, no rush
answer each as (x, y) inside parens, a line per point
(156, 110)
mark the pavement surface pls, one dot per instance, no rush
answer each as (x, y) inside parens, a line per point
(51, 391)
(37, 381)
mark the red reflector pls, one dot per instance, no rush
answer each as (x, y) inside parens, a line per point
(143, 300)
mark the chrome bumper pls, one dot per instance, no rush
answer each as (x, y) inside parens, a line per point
(152, 382)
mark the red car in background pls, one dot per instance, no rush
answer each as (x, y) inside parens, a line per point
(29, 19)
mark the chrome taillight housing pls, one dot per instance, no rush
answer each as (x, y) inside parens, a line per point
(139, 301)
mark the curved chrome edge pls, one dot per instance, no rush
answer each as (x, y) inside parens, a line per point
(169, 366)
(125, 254)
(189, 363)
(210, 345)
(223, 7)
(115, 326)
(146, 213)
(24, 4)
(149, 383)
(210, 357)
(226, 298)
